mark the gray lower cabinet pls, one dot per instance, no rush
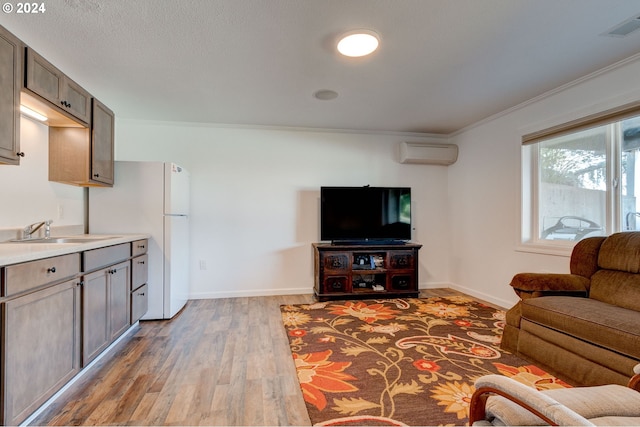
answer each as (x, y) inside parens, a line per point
(139, 275)
(119, 287)
(105, 308)
(42, 339)
(58, 314)
(139, 303)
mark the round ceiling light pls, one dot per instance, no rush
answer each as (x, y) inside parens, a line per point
(358, 43)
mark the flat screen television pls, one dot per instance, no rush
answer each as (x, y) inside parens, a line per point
(365, 215)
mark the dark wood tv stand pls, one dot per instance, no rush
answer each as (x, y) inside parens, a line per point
(365, 271)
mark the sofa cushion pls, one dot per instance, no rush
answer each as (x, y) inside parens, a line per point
(621, 251)
(620, 404)
(584, 257)
(588, 319)
(616, 288)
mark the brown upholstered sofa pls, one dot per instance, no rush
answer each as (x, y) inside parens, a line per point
(584, 326)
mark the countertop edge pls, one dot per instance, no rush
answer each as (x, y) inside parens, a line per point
(14, 253)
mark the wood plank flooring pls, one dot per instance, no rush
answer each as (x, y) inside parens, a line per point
(218, 362)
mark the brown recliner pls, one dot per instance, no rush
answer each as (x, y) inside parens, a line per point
(583, 326)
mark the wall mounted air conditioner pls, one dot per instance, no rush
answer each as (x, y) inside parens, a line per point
(428, 153)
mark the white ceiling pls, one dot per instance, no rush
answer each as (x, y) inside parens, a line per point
(442, 64)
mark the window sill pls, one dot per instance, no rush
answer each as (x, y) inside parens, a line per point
(545, 249)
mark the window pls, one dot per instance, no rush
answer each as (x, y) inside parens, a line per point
(582, 179)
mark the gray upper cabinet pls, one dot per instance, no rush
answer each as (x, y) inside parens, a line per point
(81, 129)
(10, 85)
(84, 156)
(102, 142)
(46, 81)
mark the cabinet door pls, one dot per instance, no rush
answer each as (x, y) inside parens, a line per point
(139, 303)
(102, 141)
(119, 292)
(76, 100)
(42, 330)
(95, 315)
(10, 72)
(45, 80)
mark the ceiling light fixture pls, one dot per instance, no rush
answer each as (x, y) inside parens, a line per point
(358, 43)
(33, 114)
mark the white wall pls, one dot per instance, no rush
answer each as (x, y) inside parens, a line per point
(25, 191)
(255, 198)
(255, 192)
(484, 185)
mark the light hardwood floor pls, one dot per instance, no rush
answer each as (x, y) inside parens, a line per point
(218, 362)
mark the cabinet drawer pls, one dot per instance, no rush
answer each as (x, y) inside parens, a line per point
(139, 271)
(139, 247)
(335, 261)
(139, 303)
(402, 282)
(401, 260)
(30, 275)
(334, 284)
(102, 257)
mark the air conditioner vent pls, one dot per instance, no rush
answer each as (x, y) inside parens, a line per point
(625, 28)
(428, 153)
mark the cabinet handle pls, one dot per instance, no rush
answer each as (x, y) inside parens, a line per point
(96, 175)
(66, 104)
(141, 294)
(51, 270)
(141, 262)
(20, 154)
(140, 246)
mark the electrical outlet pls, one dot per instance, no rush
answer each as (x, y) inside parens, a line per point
(203, 264)
(60, 211)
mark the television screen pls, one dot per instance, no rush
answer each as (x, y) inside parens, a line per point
(365, 214)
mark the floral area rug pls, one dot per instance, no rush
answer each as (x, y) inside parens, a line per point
(400, 361)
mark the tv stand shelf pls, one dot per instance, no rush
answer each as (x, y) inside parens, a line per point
(362, 271)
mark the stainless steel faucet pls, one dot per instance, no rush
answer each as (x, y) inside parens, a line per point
(32, 228)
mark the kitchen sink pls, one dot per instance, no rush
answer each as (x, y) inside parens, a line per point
(63, 240)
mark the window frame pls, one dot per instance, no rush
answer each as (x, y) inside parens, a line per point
(529, 240)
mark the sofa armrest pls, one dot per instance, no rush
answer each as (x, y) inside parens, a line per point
(634, 382)
(531, 285)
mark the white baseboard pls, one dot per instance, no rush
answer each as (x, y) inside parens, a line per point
(251, 293)
(506, 304)
(307, 291)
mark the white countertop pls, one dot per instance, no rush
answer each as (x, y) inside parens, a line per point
(14, 252)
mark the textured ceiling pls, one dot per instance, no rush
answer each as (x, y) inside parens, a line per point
(442, 64)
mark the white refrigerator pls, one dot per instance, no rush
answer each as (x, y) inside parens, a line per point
(152, 198)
